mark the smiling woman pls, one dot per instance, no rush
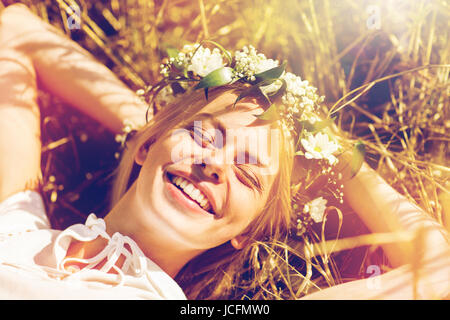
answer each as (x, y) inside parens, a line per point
(213, 199)
(236, 192)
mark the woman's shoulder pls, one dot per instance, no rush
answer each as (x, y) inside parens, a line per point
(23, 212)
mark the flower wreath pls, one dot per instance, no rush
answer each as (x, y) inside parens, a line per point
(298, 113)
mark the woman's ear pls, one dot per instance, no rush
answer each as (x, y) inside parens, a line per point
(141, 155)
(239, 242)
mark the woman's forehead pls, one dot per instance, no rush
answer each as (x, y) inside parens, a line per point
(242, 114)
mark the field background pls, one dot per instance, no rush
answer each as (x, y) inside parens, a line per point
(383, 66)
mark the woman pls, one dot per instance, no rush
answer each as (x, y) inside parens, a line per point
(155, 232)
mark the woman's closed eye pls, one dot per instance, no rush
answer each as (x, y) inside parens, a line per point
(201, 136)
(247, 176)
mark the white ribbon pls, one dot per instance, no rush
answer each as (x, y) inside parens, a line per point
(135, 262)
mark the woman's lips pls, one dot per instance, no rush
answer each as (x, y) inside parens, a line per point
(182, 199)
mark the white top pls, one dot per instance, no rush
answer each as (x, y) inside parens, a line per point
(32, 257)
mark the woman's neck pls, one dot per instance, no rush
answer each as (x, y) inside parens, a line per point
(168, 255)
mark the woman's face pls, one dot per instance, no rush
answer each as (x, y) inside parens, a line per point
(205, 183)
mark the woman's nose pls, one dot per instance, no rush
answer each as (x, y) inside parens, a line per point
(213, 170)
(214, 165)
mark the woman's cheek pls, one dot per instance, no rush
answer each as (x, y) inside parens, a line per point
(244, 206)
(179, 146)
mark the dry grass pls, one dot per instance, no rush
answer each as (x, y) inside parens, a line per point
(388, 87)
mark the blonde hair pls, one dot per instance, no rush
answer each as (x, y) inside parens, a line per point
(223, 272)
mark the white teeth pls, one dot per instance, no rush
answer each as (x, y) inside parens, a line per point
(205, 204)
(195, 194)
(192, 191)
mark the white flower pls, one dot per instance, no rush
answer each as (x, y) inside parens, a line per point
(265, 64)
(316, 209)
(299, 92)
(294, 83)
(249, 62)
(204, 61)
(320, 147)
(189, 48)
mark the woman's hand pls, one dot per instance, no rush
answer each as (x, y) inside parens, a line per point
(70, 72)
(403, 283)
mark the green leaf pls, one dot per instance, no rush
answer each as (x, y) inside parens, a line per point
(359, 151)
(172, 52)
(253, 90)
(256, 90)
(250, 91)
(316, 126)
(273, 73)
(280, 91)
(270, 114)
(216, 78)
(306, 125)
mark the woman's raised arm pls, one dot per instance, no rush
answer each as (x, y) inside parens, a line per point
(68, 71)
(422, 264)
(384, 210)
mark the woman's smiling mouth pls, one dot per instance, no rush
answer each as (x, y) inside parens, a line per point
(193, 197)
